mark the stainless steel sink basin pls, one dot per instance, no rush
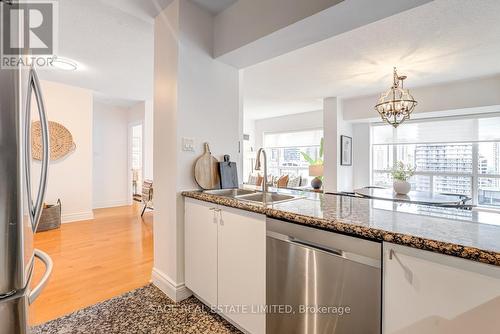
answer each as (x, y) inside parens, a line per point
(267, 198)
(252, 195)
(230, 192)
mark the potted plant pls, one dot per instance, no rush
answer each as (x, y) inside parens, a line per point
(315, 167)
(401, 174)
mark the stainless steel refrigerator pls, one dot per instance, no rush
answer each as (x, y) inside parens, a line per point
(21, 197)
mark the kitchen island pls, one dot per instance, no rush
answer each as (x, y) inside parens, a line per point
(438, 268)
(466, 234)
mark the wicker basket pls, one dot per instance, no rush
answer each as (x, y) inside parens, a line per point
(50, 218)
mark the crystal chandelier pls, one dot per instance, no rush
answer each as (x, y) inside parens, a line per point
(396, 105)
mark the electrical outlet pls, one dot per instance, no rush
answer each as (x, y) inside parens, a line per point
(188, 144)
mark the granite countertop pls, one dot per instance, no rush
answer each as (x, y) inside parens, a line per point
(467, 234)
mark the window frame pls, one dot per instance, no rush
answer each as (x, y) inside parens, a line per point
(474, 176)
(301, 148)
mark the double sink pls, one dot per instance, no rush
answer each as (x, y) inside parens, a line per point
(253, 196)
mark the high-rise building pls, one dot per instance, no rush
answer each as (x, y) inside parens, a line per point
(446, 158)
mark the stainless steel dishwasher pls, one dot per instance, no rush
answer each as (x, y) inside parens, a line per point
(321, 282)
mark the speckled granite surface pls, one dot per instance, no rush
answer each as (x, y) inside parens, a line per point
(466, 234)
(145, 310)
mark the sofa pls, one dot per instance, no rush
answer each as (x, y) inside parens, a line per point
(281, 181)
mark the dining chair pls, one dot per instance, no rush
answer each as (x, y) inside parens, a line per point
(147, 195)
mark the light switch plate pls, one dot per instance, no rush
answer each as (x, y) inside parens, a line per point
(188, 144)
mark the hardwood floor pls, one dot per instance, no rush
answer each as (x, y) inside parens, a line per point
(94, 260)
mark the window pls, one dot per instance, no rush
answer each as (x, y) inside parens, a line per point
(489, 174)
(443, 168)
(459, 156)
(284, 151)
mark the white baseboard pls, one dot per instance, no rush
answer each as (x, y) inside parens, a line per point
(112, 204)
(73, 217)
(176, 292)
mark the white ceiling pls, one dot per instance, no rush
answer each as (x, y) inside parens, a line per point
(113, 48)
(148, 9)
(113, 42)
(214, 6)
(445, 40)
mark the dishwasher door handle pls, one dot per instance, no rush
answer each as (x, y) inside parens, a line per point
(306, 244)
(320, 248)
(347, 255)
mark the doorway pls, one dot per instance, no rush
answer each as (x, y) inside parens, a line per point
(136, 160)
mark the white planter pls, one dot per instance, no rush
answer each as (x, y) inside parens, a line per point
(401, 187)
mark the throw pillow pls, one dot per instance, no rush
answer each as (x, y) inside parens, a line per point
(283, 181)
(304, 182)
(252, 179)
(275, 181)
(259, 180)
(294, 182)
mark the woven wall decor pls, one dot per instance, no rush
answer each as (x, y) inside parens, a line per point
(61, 141)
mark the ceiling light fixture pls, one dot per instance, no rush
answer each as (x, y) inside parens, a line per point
(64, 64)
(396, 105)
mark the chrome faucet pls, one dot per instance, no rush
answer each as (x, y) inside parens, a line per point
(258, 167)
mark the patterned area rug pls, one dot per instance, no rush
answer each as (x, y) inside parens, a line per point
(145, 310)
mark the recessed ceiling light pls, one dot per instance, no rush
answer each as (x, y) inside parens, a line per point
(64, 64)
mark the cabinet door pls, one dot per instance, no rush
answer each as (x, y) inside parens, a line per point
(432, 293)
(200, 236)
(242, 267)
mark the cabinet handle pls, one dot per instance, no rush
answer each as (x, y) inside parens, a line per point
(407, 271)
(221, 221)
(215, 209)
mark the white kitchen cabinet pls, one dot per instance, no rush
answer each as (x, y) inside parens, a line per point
(425, 292)
(200, 244)
(225, 260)
(242, 266)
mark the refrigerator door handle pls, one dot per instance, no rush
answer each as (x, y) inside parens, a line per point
(36, 208)
(45, 258)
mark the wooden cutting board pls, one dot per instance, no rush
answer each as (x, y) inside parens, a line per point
(206, 170)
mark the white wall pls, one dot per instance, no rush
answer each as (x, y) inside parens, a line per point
(249, 129)
(112, 185)
(148, 140)
(249, 148)
(331, 111)
(195, 97)
(345, 174)
(110, 165)
(136, 116)
(167, 230)
(337, 177)
(135, 113)
(252, 31)
(70, 178)
(437, 98)
(361, 155)
(235, 26)
(142, 112)
(295, 122)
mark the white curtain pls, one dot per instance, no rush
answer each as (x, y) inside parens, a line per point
(293, 139)
(439, 131)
